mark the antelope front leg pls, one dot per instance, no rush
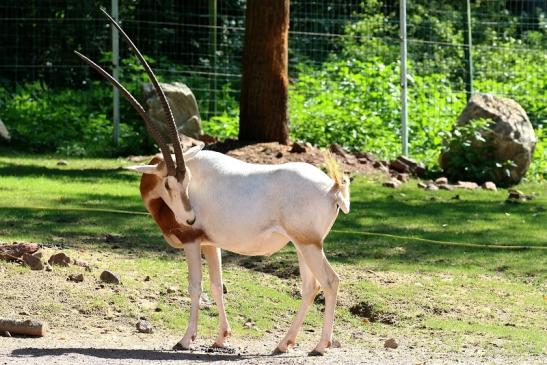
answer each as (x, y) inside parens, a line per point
(193, 260)
(329, 281)
(310, 288)
(214, 263)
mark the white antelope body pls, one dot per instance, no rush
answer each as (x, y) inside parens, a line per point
(209, 201)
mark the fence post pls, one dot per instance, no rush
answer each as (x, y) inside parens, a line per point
(402, 26)
(468, 53)
(213, 52)
(115, 74)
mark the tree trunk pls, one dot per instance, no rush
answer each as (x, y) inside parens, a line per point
(264, 90)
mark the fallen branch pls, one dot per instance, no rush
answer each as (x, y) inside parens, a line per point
(27, 327)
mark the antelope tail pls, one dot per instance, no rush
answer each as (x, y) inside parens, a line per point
(341, 182)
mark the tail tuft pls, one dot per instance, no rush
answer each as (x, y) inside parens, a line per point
(333, 168)
(341, 182)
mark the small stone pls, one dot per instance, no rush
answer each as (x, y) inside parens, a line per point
(48, 267)
(399, 166)
(393, 183)
(144, 327)
(469, 185)
(391, 344)
(403, 177)
(335, 344)
(157, 309)
(489, 185)
(445, 186)
(147, 278)
(249, 323)
(204, 301)
(33, 262)
(422, 185)
(77, 278)
(441, 180)
(279, 154)
(338, 150)
(431, 187)
(456, 197)
(80, 263)
(112, 237)
(297, 148)
(109, 277)
(172, 289)
(62, 163)
(60, 259)
(38, 255)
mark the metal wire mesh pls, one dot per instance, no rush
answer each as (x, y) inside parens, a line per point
(188, 43)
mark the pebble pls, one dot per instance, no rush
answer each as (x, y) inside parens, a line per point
(109, 277)
(144, 327)
(391, 344)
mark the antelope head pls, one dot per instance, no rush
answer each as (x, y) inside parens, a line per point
(174, 178)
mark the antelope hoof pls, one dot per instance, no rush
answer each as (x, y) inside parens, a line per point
(278, 351)
(316, 352)
(184, 344)
(180, 347)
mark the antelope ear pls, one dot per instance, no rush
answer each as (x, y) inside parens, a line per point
(145, 169)
(192, 152)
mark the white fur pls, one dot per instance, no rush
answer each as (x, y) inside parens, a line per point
(254, 209)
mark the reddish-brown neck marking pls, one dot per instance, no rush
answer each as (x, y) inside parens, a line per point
(161, 212)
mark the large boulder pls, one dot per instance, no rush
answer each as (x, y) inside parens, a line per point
(183, 105)
(4, 134)
(507, 142)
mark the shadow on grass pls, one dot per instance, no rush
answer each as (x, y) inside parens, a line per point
(84, 174)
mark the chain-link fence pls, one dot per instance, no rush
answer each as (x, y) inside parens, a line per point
(200, 43)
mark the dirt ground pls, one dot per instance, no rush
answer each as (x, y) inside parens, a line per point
(132, 348)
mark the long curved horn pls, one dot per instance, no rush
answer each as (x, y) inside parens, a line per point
(171, 170)
(181, 167)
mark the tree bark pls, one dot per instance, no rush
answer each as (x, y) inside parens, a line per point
(264, 90)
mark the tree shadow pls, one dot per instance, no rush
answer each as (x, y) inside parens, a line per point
(83, 174)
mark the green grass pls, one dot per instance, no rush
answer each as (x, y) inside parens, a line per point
(488, 297)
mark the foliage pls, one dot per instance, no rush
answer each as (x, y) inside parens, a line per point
(68, 121)
(357, 104)
(467, 155)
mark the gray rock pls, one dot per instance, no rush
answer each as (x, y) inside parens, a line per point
(510, 137)
(62, 163)
(183, 105)
(109, 277)
(441, 180)
(4, 134)
(144, 327)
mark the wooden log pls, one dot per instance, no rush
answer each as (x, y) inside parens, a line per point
(26, 327)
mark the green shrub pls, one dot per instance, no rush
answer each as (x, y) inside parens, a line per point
(67, 121)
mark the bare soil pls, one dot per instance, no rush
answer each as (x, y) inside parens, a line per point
(275, 153)
(81, 334)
